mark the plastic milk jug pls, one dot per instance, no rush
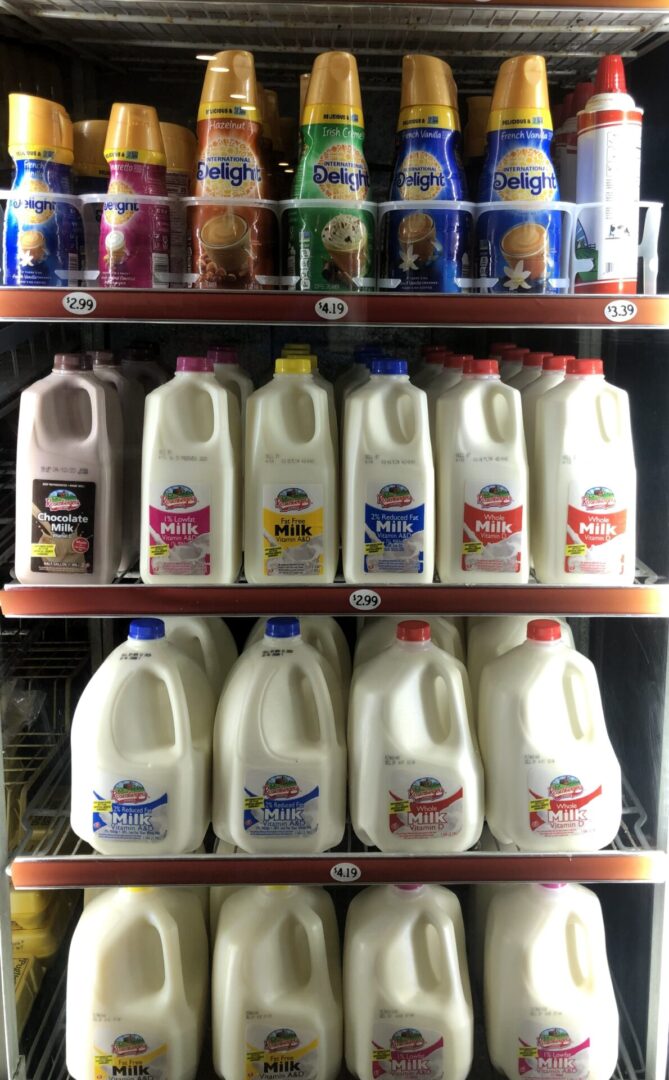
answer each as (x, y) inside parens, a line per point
(279, 748)
(291, 529)
(355, 375)
(512, 363)
(141, 749)
(388, 483)
(137, 985)
(141, 362)
(494, 635)
(553, 371)
(533, 363)
(584, 518)
(415, 775)
(134, 236)
(408, 1005)
(208, 641)
(68, 478)
(232, 376)
(380, 632)
(276, 985)
(552, 778)
(191, 480)
(482, 481)
(450, 374)
(432, 367)
(180, 154)
(326, 636)
(550, 1008)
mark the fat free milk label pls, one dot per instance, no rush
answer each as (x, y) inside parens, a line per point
(121, 1053)
(411, 1052)
(293, 529)
(179, 530)
(553, 1051)
(134, 236)
(422, 807)
(42, 235)
(280, 805)
(596, 530)
(561, 804)
(492, 528)
(394, 528)
(125, 809)
(287, 1051)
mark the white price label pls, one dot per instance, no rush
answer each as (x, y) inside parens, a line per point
(345, 872)
(620, 311)
(331, 308)
(364, 600)
(79, 303)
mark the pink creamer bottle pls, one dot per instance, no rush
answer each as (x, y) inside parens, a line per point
(134, 235)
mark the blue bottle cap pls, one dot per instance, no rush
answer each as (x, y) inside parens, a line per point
(147, 629)
(282, 626)
(390, 366)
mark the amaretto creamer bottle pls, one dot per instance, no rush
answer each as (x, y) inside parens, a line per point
(90, 176)
(180, 153)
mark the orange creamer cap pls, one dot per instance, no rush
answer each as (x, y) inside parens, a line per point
(180, 147)
(134, 128)
(230, 87)
(521, 86)
(38, 122)
(89, 147)
(335, 83)
(427, 80)
(271, 102)
(304, 86)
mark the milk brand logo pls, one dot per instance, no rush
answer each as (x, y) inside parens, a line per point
(426, 789)
(178, 497)
(494, 497)
(565, 787)
(598, 498)
(555, 1038)
(407, 1039)
(129, 1045)
(62, 499)
(129, 792)
(394, 495)
(281, 1040)
(292, 500)
(281, 787)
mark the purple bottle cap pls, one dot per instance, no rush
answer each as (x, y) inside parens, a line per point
(195, 363)
(72, 362)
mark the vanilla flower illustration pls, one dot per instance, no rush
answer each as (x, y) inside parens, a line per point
(517, 277)
(409, 260)
(26, 259)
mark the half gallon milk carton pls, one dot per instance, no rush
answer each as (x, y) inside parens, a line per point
(232, 376)
(449, 376)
(406, 986)
(141, 749)
(279, 748)
(276, 985)
(137, 984)
(326, 636)
(552, 778)
(415, 775)
(208, 641)
(553, 370)
(550, 1008)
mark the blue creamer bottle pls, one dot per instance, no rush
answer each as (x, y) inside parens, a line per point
(518, 249)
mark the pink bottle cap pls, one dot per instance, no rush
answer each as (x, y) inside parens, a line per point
(195, 363)
(222, 354)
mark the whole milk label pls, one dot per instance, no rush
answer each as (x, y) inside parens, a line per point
(42, 236)
(422, 807)
(596, 539)
(120, 1053)
(394, 528)
(563, 804)
(492, 529)
(134, 236)
(293, 529)
(126, 809)
(62, 539)
(411, 1052)
(291, 1052)
(180, 530)
(281, 805)
(553, 1051)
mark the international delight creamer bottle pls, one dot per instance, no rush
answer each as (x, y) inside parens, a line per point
(134, 236)
(519, 248)
(331, 246)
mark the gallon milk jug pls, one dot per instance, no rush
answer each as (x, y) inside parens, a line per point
(68, 478)
(141, 362)
(355, 375)
(494, 635)
(553, 372)
(291, 530)
(533, 363)
(406, 986)
(208, 641)
(137, 983)
(232, 376)
(552, 778)
(279, 749)
(326, 636)
(450, 374)
(511, 363)
(276, 985)
(388, 484)
(415, 775)
(379, 633)
(141, 749)
(482, 481)
(584, 518)
(191, 473)
(550, 1008)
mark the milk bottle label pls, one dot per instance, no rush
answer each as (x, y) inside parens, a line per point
(280, 805)
(394, 528)
(286, 1051)
(492, 528)
(293, 527)
(561, 805)
(423, 807)
(554, 1052)
(596, 527)
(134, 236)
(125, 810)
(179, 530)
(411, 1052)
(128, 1053)
(42, 236)
(62, 539)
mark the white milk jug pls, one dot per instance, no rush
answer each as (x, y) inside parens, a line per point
(381, 631)
(279, 748)
(231, 375)
(388, 488)
(355, 375)
(137, 984)
(510, 362)
(552, 374)
(584, 521)
(326, 636)
(141, 749)
(552, 778)
(482, 481)
(208, 641)
(449, 376)
(533, 363)
(191, 476)
(140, 362)
(291, 529)
(276, 985)
(199, 891)
(408, 1006)
(68, 478)
(550, 1008)
(494, 635)
(415, 775)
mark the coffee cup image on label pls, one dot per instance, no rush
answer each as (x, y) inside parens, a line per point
(522, 251)
(232, 246)
(425, 251)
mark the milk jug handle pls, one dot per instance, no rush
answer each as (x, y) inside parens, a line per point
(315, 932)
(446, 934)
(178, 702)
(167, 928)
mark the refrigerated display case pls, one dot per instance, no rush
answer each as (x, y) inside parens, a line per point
(90, 53)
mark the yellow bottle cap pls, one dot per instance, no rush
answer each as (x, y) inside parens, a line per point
(134, 134)
(292, 365)
(230, 87)
(89, 148)
(478, 109)
(335, 83)
(138, 888)
(180, 147)
(296, 347)
(427, 80)
(39, 124)
(521, 87)
(304, 86)
(271, 103)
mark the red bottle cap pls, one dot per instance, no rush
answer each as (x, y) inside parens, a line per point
(458, 360)
(438, 355)
(568, 107)
(556, 363)
(515, 354)
(585, 367)
(499, 347)
(413, 630)
(534, 359)
(582, 95)
(610, 77)
(427, 350)
(544, 630)
(481, 367)
(222, 354)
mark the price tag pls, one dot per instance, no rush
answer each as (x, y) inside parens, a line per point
(620, 311)
(331, 308)
(79, 303)
(364, 600)
(345, 872)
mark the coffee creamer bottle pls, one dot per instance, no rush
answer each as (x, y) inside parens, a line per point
(90, 177)
(134, 236)
(519, 250)
(43, 238)
(478, 111)
(180, 153)
(332, 246)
